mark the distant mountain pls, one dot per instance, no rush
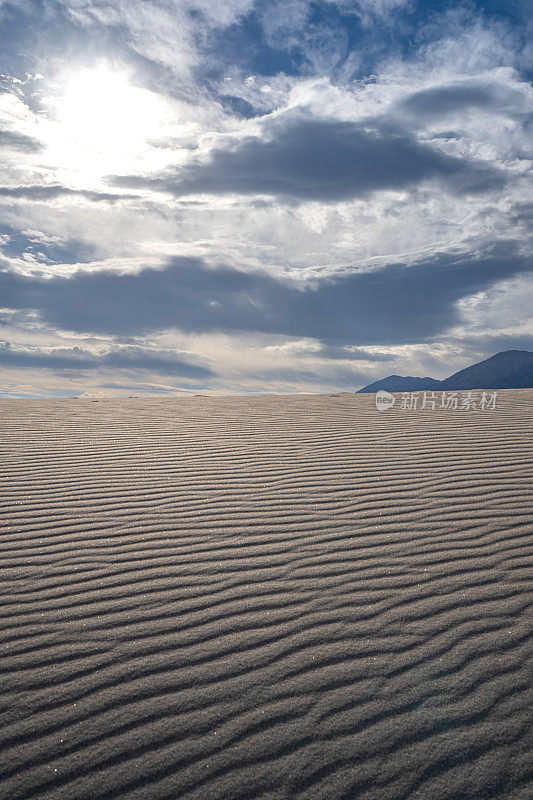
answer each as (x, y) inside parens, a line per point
(512, 369)
(399, 383)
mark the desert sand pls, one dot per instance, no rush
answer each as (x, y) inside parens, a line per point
(265, 597)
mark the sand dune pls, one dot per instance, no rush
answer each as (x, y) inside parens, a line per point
(265, 597)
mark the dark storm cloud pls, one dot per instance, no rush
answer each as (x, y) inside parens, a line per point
(53, 191)
(398, 304)
(440, 101)
(11, 140)
(77, 358)
(61, 358)
(313, 159)
(161, 361)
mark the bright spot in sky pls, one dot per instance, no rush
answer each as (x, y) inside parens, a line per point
(102, 124)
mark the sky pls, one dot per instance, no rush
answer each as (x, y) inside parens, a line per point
(276, 196)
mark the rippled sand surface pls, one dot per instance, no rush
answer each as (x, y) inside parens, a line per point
(265, 597)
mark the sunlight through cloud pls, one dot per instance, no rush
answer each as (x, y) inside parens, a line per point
(101, 121)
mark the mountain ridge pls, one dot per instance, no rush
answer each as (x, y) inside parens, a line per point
(510, 369)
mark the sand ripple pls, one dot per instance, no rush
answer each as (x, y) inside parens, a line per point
(272, 598)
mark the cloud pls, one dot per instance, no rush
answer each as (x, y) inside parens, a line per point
(315, 349)
(168, 32)
(164, 362)
(141, 388)
(522, 212)
(161, 361)
(12, 140)
(52, 191)
(326, 160)
(398, 304)
(469, 95)
(321, 139)
(348, 353)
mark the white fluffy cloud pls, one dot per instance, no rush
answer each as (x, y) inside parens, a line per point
(298, 179)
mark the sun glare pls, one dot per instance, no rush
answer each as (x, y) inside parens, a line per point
(103, 124)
